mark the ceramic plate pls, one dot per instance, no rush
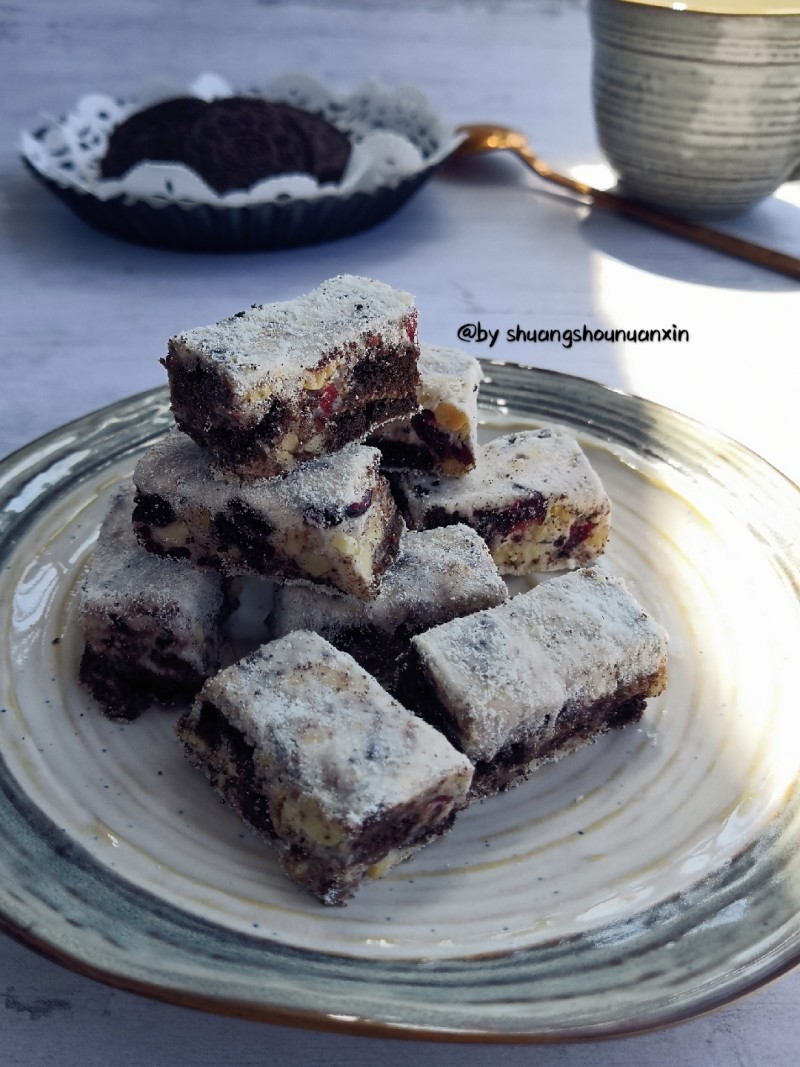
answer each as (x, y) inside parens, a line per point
(645, 879)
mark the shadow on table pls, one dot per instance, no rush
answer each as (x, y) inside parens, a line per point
(496, 170)
(648, 249)
(671, 257)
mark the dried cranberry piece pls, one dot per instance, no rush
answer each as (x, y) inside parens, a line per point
(332, 516)
(411, 328)
(327, 398)
(360, 506)
(578, 532)
(440, 443)
(514, 518)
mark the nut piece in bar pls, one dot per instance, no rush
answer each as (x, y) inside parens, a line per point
(331, 521)
(533, 497)
(323, 764)
(535, 678)
(278, 384)
(443, 435)
(438, 575)
(152, 626)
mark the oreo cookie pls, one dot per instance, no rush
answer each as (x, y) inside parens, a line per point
(155, 134)
(232, 143)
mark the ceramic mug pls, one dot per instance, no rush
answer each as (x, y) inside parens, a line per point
(697, 103)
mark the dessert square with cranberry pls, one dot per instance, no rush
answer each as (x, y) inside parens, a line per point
(332, 521)
(152, 626)
(443, 435)
(533, 497)
(279, 384)
(322, 763)
(437, 576)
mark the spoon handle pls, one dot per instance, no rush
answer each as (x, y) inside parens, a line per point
(702, 235)
(660, 220)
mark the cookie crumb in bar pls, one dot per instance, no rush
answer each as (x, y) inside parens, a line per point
(332, 521)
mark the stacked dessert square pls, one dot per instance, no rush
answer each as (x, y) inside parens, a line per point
(401, 680)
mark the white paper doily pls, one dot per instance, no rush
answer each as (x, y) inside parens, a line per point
(394, 133)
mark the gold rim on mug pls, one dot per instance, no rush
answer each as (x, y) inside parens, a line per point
(724, 7)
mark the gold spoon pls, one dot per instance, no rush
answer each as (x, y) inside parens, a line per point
(486, 138)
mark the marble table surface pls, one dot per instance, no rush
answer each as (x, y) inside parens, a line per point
(85, 318)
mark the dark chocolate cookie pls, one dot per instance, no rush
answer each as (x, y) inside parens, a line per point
(241, 140)
(330, 148)
(232, 143)
(157, 133)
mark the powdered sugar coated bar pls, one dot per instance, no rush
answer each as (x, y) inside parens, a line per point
(537, 677)
(323, 763)
(280, 383)
(438, 575)
(443, 434)
(332, 521)
(152, 626)
(533, 497)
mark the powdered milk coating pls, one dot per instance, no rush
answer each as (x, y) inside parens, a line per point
(175, 467)
(533, 497)
(171, 599)
(437, 575)
(317, 720)
(448, 375)
(507, 672)
(272, 347)
(510, 468)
